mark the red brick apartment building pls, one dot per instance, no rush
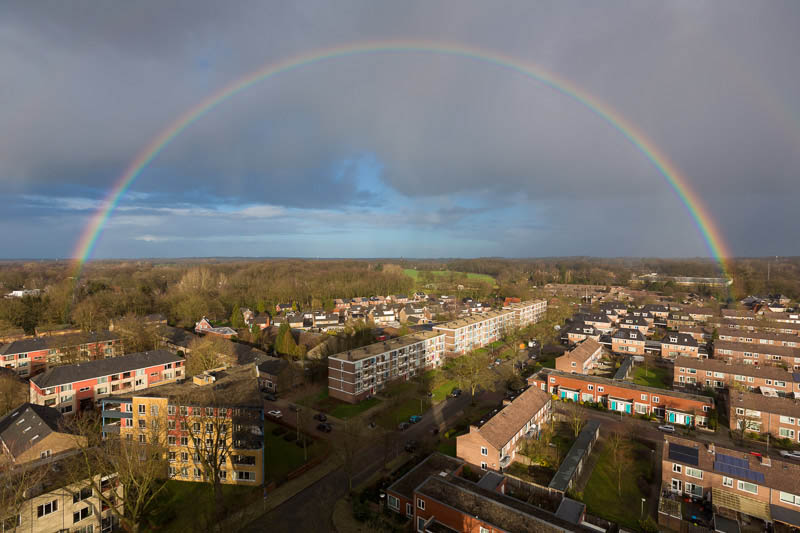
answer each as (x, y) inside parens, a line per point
(466, 334)
(736, 482)
(582, 358)
(29, 357)
(758, 337)
(758, 413)
(492, 443)
(628, 341)
(702, 334)
(738, 314)
(625, 397)
(789, 318)
(656, 310)
(355, 375)
(528, 312)
(635, 322)
(76, 387)
(400, 494)
(722, 374)
(758, 354)
(679, 344)
(757, 325)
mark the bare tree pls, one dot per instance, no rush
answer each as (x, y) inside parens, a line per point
(576, 418)
(745, 421)
(17, 485)
(619, 447)
(471, 372)
(208, 352)
(13, 391)
(137, 335)
(347, 444)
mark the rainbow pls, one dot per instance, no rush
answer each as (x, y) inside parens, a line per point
(679, 183)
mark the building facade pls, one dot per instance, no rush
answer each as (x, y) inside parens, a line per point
(528, 312)
(679, 344)
(582, 358)
(466, 334)
(719, 374)
(758, 354)
(29, 357)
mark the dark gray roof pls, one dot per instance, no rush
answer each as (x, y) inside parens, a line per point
(624, 367)
(725, 525)
(56, 341)
(787, 516)
(24, 423)
(434, 464)
(570, 463)
(272, 365)
(61, 375)
(571, 510)
(490, 480)
(177, 336)
(682, 339)
(625, 333)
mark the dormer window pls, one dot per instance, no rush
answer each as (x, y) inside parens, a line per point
(673, 339)
(633, 335)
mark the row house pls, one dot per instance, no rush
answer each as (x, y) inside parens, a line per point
(640, 313)
(763, 414)
(635, 322)
(401, 299)
(420, 296)
(358, 374)
(738, 314)
(673, 406)
(491, 444)
(656, 310)
(758, 354)
(582, 358)
(341, 304)
(211, 424)
(466, 334)
(204, 326)
(736, 482)
(702, 334)
(610, 312)
(77, 387)
(679, 344)
(284, 308)
(699, 314)
(32, 432)
(383, 314)
(600, 321)
(719, 374)
(758, 337)
(768, 326)
(28, 357)
(787, 317)
(628, 341)
(410, 310)
(580, 332)
(528, 312)
(679, 320)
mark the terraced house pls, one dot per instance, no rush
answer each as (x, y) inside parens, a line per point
(29, 357)
(759, 413)
(624, 397)
(355, 375)
(628, 341)
(721, 374)
(76, 387)
(212, 425)
(492, 443)
(737, 483)
(758, 337)
(758, 354)
(466, 334)
(582, 358)
(679, 344)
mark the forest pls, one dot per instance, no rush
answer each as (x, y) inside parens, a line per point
(186, 290)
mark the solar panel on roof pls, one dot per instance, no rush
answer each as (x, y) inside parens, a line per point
(734, 470)
(731, 460)
(683, 454)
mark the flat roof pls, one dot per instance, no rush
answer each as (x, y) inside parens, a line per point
(431, 466)
(573, 458)
(385, 346)
(461, 322)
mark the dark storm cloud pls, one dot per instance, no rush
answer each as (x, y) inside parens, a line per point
(87, 84)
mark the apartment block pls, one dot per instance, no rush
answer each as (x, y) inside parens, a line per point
(81, 386)
(528, 312)
(355, 375)
(760, 413)
(718, 373)
(628, 341)
(400, 494)
(216, 418)
(582, 358)
(679, 344)
(29, 357)
(624, 397)
(758, 354)
(466, 334)
(492, 443)
(737, 483)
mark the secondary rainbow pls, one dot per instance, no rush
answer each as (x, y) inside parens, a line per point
(679, 183)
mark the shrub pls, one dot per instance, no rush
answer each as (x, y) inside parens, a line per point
(648, 525)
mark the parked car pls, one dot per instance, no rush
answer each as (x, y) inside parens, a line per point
(324, 427)
(666, 428)
(498, 362)
(403, 426)
(411, 446)
(414, 419)
(275, 413)
(321, 417)
(790, 455)
(269, 396)
(455, 393)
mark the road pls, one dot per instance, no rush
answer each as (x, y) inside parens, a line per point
(311, 508)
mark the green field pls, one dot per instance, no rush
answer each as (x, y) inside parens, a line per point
(411, 272)
(390, 417)
(186, 506)
(654, 377)
(282, 457)
(337, 408)
(601, 496)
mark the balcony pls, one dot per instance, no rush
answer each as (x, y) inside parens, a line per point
(111, 428)
(505, 461)
(112, 412)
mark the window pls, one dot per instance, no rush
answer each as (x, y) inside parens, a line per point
(409, 510)
(170, 424)
(644, 397)
(197, 473)
(184, 441)
(45, 454)
(142, 439)
(752, 488)
(171, 440)
(81, 495)
(599, 389)
(787, 420)
(694, 472)
(787, 433)
(173, 456)
(655, 399)
(84, 513)
(142, 409)
(184, 457)
(420, 504)
(484, 451)
(142, 424)
(209, 411)
(171, 409)
(591, 387)
(483, 466)
(790, 498)
(104, 379)
(393, 503)
(47, 508)
(727, 482)
(484, 530)
(153, 410)
(739, 411)
(84, 389)
(245, 476)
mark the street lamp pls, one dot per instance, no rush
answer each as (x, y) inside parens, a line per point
(642, 510)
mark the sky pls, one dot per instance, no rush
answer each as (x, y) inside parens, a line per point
(398, 154)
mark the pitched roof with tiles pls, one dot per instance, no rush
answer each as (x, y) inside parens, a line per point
(26, 422)
(629, 334)
(583, 351)
(509, 420)
(764, 349)
(62, 375)
(56, 341)
(742, 369)
(680, 339)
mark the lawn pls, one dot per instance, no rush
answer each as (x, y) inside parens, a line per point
(390, 417)
(601, 496)
(447, 447)
(337, 408)
(413, 273)
(281, 456)
(182, 505)
(653, 377)
(441, 392)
